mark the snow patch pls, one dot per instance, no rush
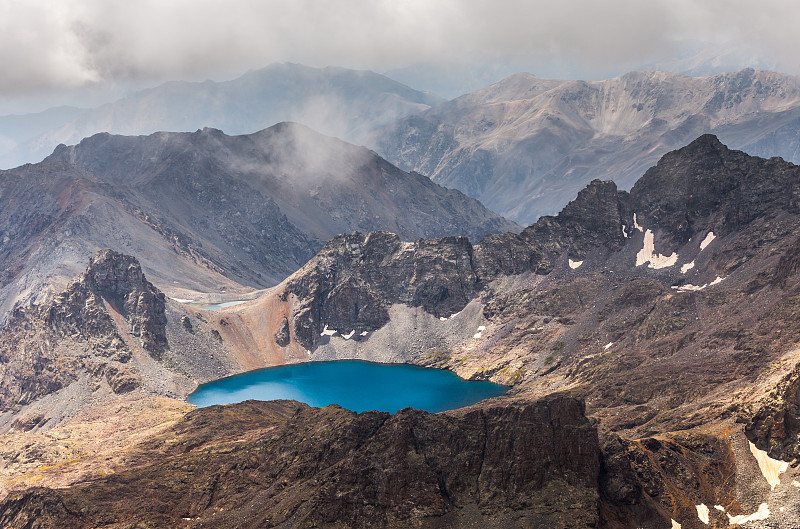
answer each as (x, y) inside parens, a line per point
(574, 264)
(636, 224)
(482, 328)
(480, 332)
(675, 525)
(442, 318)
(702, 513)
(364, 333)
(710, 237)
(608, 346)
(648, 254)
(771, 468)
(695, 288)
(796, 483)
(688, 266)
(761, 514)
(624, 232)
(181, 300)
(349, 335)
(719, 508)
(326, 332)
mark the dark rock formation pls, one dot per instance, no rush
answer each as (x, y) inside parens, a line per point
(352, 282)
(521, 465)
(109, 303)
(706, 180)
(282, 336)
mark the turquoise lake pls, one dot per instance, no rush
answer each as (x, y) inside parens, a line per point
(352, 384)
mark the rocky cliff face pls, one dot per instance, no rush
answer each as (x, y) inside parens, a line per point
(113, 286)
(774, 424)
(531, 465)
(353, 281)
(525, 146)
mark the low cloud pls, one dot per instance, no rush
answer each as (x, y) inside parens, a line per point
(48, 45)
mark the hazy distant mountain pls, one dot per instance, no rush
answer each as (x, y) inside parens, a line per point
(335, 101)
(525, 146)
(22, 128)
(710, 59)
(211, 212)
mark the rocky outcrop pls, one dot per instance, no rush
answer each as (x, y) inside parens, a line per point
(521, 465)
(282, 336)
(707, 186)
(118, 281)
(352, 282)
(85, 328)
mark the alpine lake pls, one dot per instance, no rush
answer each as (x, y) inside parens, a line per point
(352, 384)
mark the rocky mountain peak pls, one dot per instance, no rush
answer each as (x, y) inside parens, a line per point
(706, 185)
(112, 281)
(597, 209)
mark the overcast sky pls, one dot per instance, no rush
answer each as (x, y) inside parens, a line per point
(49, 47)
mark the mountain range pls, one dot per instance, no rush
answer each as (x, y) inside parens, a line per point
(209, 213)
(648, 338)
(334, 101)
(525, 146)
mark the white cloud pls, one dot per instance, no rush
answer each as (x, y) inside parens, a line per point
(45, 44)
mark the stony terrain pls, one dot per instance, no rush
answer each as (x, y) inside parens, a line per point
(209, 213)
(670, 311)
(525, 146)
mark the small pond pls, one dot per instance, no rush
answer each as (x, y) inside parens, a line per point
(352, 384)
